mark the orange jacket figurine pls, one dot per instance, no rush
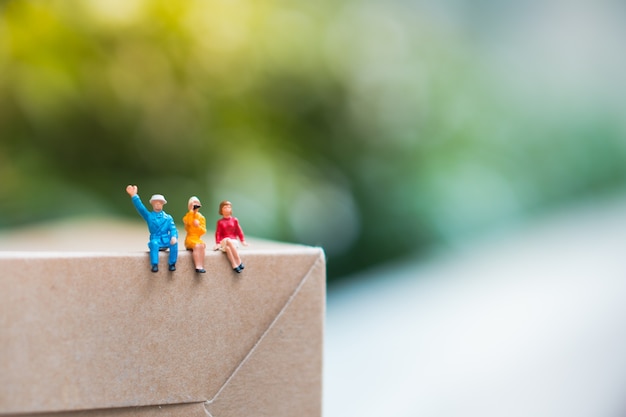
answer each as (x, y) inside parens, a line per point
(195, 226)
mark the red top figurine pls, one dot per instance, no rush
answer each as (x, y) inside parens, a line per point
(226, 234)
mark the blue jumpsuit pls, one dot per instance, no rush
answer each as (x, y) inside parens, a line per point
(162, 229)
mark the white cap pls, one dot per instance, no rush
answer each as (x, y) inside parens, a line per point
(158, 197)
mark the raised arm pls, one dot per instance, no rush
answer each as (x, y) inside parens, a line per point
(141, 209)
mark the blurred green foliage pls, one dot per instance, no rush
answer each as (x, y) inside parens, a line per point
(372, 129)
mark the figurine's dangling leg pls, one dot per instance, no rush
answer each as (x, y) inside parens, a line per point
(173, 256)
(154, 255)
(233, 256)
(198, 257)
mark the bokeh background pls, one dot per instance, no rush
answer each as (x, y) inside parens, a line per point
(462, 163)
(373, 129)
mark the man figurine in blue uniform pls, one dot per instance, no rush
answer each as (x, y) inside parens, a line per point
(163, 233)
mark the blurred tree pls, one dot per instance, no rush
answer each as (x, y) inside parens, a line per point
(370, 129)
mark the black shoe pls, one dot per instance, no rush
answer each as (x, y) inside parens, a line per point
(239, 268)
(155, 268)
(200, 270)
(172, 267)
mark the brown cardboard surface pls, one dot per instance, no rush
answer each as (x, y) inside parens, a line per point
(98, 334)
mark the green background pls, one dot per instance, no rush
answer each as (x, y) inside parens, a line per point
(377, 130)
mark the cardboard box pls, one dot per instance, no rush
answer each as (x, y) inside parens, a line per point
(98, 334)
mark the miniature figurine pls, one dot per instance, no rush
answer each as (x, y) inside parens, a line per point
(163, 233)
(195, 226)
(226, 235)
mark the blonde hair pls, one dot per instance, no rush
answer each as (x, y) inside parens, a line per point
(192, 200)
